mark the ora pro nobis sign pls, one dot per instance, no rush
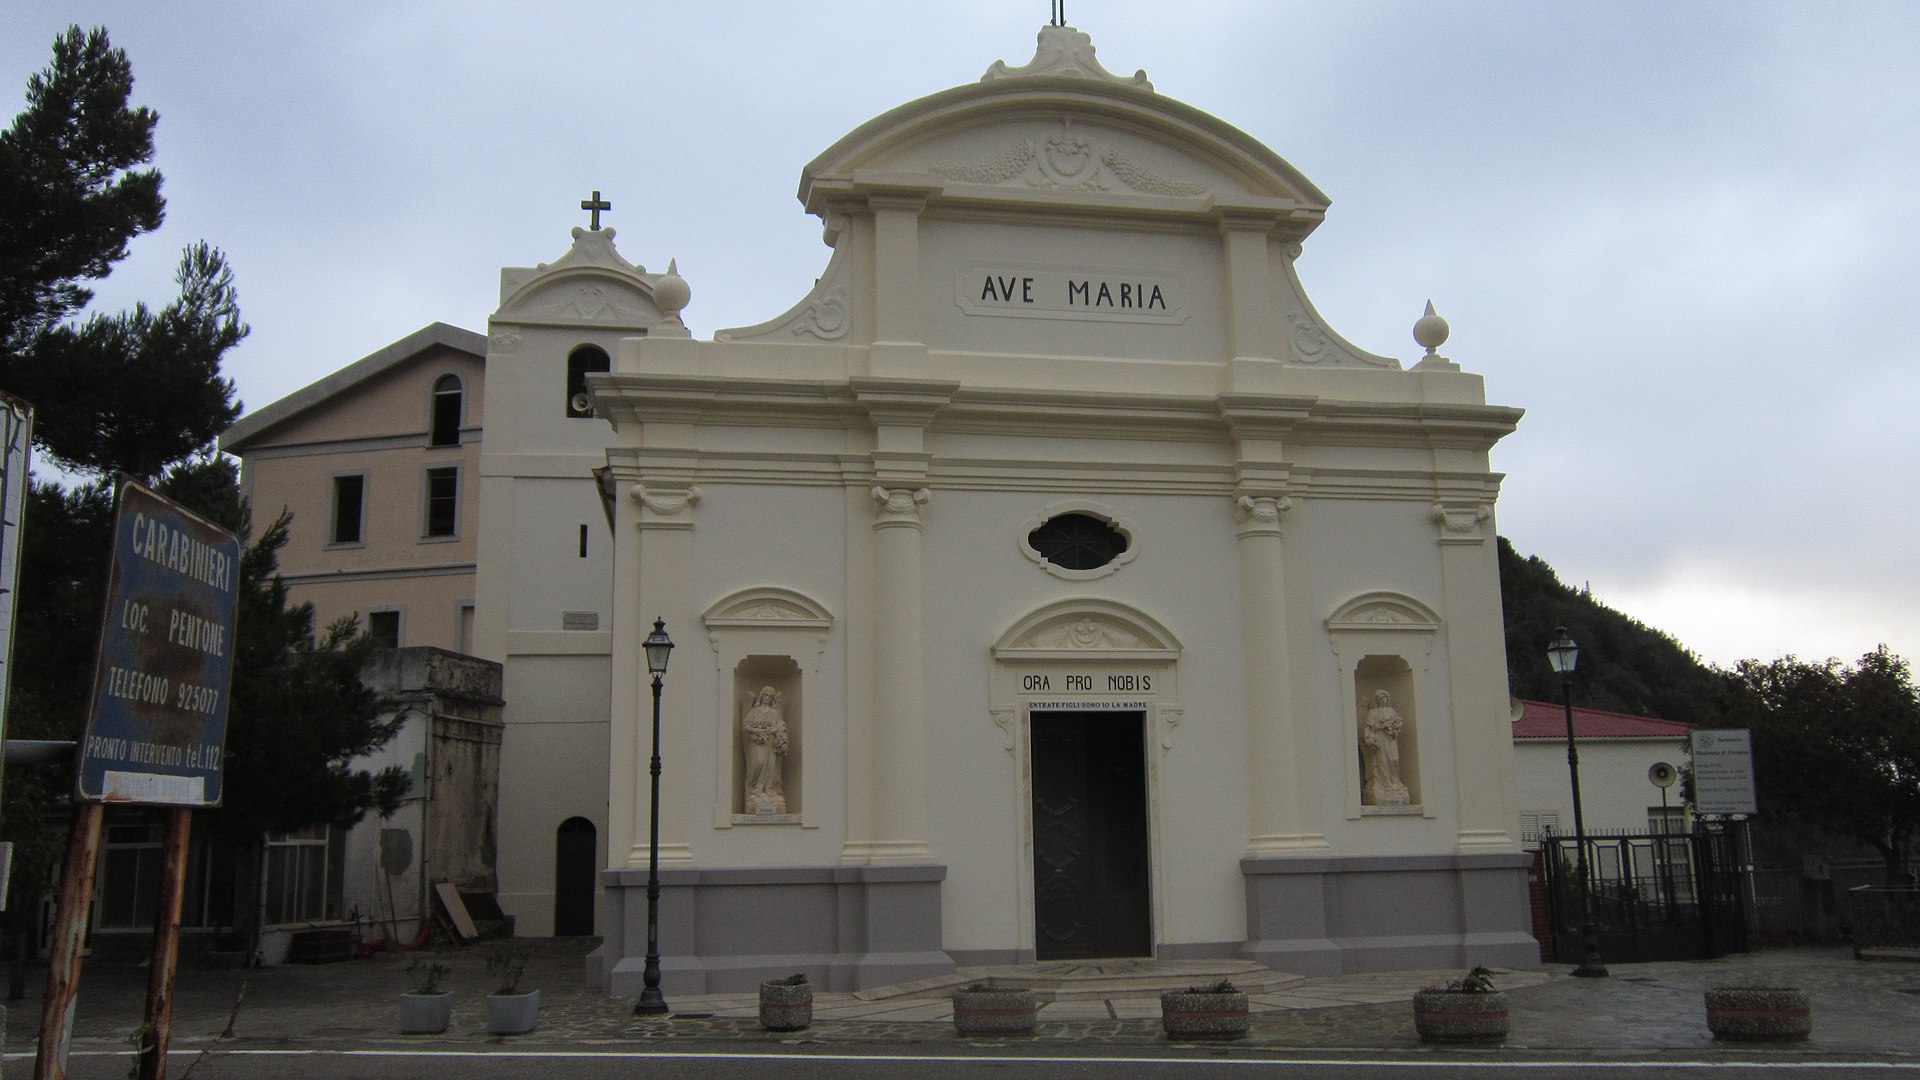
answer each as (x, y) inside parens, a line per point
(158, 725)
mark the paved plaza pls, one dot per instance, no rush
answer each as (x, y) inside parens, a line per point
(1866, 1009)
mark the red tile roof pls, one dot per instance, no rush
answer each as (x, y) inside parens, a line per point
(1548, 720)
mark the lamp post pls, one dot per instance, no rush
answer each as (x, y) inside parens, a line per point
(1561, 656)
(658, 647)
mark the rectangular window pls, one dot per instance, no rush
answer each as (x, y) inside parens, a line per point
(128, 882)
(302, 876)
(384, 628)
(443, 502)
(1536, 823)
(349, 503)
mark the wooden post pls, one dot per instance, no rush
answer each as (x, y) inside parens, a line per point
(69, 935)
(166, 946)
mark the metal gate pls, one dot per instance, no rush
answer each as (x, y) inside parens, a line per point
(1655, 896)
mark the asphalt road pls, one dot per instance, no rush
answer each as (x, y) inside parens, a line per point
(984, 1062)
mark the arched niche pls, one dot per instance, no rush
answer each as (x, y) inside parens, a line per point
(1383, 641)
(765, 636)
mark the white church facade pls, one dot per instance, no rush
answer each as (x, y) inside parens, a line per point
(1050, 582)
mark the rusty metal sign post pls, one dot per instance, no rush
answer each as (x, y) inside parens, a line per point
(156, 733)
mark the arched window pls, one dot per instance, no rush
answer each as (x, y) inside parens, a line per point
(445, 429)
(581, 361)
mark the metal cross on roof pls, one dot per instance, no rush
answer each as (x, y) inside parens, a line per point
(595, 204)
(1059, 12)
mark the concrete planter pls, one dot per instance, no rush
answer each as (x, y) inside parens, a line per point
(992, 1010)
(512, 1014)
(786, 1005)
(1204, 1014)
(425, 1014)
(1759, 1013)
(1460, 1016)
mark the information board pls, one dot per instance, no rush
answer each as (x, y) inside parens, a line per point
(156, 731)
(1723, 772)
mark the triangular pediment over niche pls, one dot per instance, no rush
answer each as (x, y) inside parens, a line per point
(1381, 610)
(1082, 627)
(769, 606)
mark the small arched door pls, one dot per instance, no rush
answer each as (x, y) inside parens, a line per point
(576, 860)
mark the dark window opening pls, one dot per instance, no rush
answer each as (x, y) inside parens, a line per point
(580, 363)
(443, 502)
(583, 541)
(446, 413)
(384, 628)
(349, 496)
(1077, 542)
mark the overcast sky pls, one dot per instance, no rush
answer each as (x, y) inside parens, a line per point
(1682, 234)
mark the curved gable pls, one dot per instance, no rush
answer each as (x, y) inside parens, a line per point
(1064, 126)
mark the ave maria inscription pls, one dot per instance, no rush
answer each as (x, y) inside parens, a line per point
(1050, 293)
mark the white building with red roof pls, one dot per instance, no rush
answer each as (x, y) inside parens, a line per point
(1617, 753)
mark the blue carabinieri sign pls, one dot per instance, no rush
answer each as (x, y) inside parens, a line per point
(157, 728)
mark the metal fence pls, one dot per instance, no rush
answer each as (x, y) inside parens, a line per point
(1655, 896)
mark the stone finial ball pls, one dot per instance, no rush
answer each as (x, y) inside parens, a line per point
(671, 292)
(1430, 330)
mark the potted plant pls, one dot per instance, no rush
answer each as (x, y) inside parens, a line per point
(1217, 1011)
(1466, 1010)
(509, 1011)
(426, 1009)
(1759, 1013)
(786, 1004)
(986, 1009)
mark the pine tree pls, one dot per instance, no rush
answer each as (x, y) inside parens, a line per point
(131, 391)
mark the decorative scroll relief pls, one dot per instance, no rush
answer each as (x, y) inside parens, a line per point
(1003, 719)
(590, 302)
(827, 318)
(1066, 161)
(1169, 719)
(1085, 293)
(1462, 524)
(1081, 633)
(1310, 343)
(504, 341)
(1062, 50)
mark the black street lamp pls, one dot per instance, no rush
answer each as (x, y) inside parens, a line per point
(658, 647)
(1561, 655)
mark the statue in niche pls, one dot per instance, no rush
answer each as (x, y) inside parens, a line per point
(1380, 754)
(764, 728)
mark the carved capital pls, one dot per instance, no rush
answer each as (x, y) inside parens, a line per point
(1461, 523)
(898, 506)
(1259, 515)
(666, 503)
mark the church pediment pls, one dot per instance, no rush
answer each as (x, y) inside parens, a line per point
(591, 285)
(1062, 125)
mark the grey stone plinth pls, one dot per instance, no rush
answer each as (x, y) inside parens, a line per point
(1204, 1014)
(786, 1005)
(1460, 1016)
(1759, 1013)
(425, 1014)
(993, 1011)
(512, 1014)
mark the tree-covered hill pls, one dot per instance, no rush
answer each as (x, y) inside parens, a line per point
(1625, 665)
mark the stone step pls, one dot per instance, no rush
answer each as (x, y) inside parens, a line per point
(1088, 980)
